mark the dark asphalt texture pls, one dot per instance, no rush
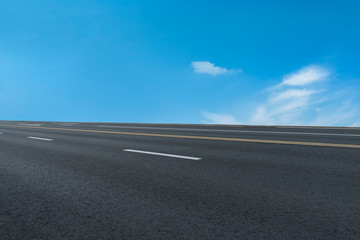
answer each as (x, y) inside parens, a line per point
(82, 185)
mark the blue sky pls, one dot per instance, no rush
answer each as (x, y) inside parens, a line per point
(246, 62)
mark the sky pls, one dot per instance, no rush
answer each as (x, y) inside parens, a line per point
(218, 62)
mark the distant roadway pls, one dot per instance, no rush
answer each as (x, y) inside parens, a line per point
(70, 180)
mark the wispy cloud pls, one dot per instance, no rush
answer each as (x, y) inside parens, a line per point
(205, 67)
(356, 124)
(306, 76)
(342, 112)
(305, 97)
(291, 94)
(300, 100)
(214, 118)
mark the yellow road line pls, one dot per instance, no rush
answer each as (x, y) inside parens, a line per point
(200, 137)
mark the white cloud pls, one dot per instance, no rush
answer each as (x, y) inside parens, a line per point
(262, 116)
(291, 94)
(337, 113)
(284, 106)
(285, 113)
(214, 118)
(290, 103)
(301, 99)
(205, 67)
(356, 124)
(306, 76)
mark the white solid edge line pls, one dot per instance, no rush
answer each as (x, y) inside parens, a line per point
(177, 129)
(317, 128)
(162, 154)
(238, 131)
(44, 139)
(30, 125)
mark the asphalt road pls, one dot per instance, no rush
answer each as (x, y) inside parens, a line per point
(151, 181)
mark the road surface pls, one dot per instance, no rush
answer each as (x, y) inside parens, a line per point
(61, 180)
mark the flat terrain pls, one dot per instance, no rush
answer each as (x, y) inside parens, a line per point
(62, 180)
